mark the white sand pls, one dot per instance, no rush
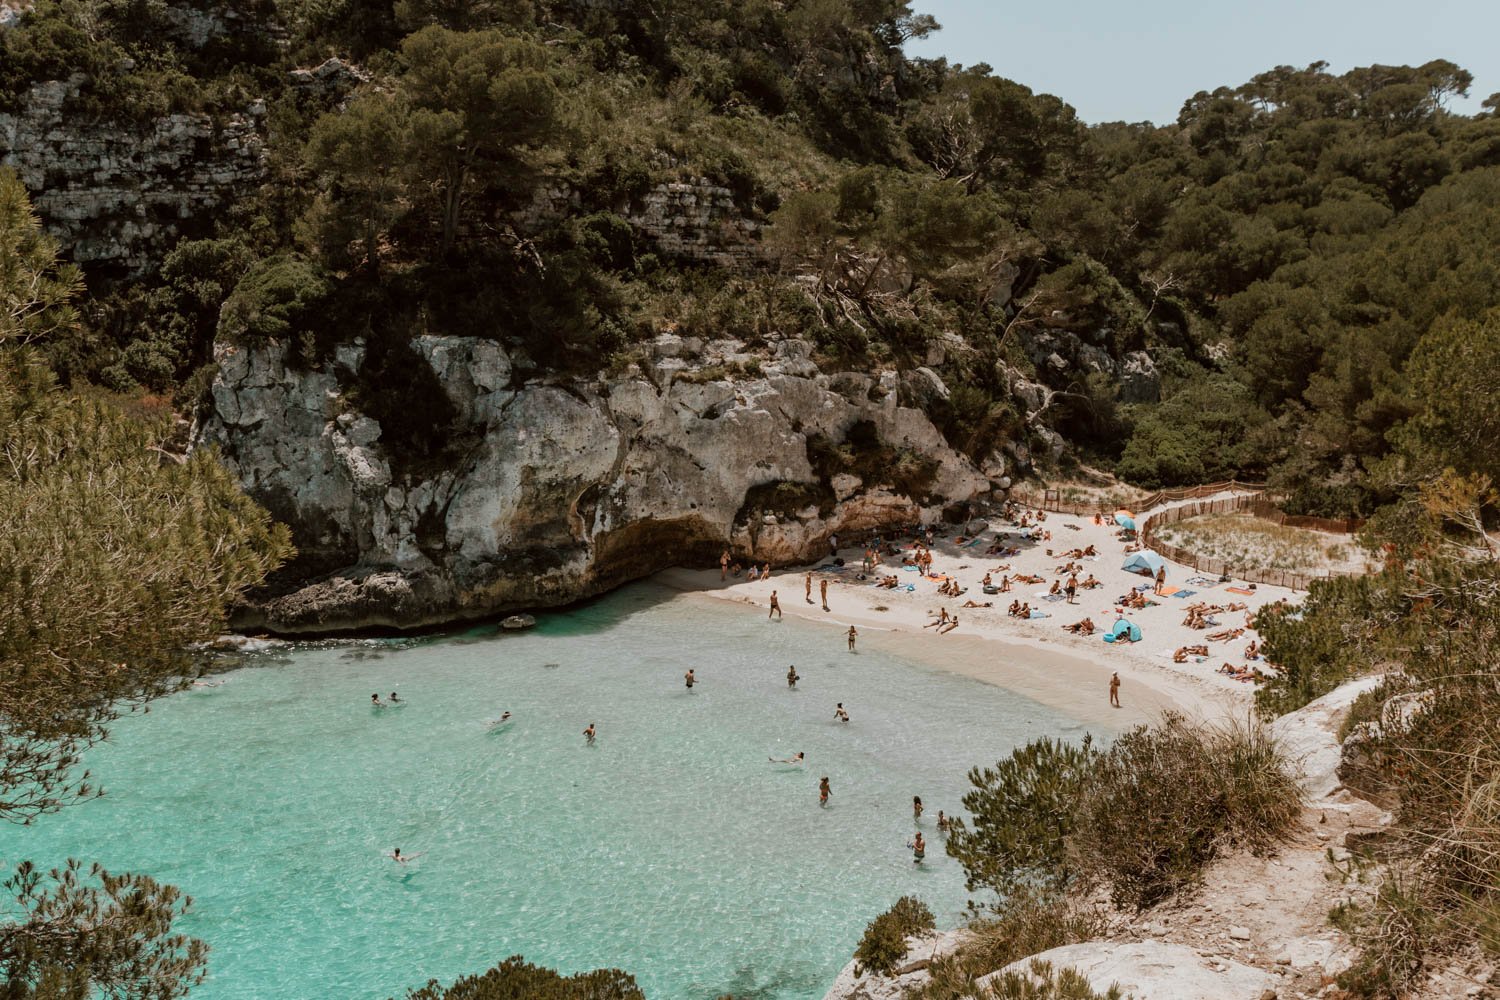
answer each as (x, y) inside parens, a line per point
(1036, 657)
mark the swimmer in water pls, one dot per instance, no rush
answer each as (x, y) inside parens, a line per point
(400, 858)
(690, 679)
(824, 791)
(375, 701)
(839, 714)
(792, 677)
(918, 849)
(394, 699)
(796, 758)
(504, 718)
(943, 823)
(916, 808)
(589, 734)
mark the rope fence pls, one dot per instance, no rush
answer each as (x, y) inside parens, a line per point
(1251, 501)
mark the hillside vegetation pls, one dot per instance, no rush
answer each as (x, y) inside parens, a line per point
(1297, 253)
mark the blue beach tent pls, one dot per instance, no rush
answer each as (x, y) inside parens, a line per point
(1125, 521)
(1124, 629)
(1144, 562)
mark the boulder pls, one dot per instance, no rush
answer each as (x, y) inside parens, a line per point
(854, 983)
(515, 623)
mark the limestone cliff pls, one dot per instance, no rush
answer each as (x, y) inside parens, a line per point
(557, 489)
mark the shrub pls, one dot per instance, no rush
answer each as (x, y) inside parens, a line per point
(1029, 923)
(1021, 814)
(1040, 981)
(278, 297)
(517, 979)
(1163, 801)
(884, 943)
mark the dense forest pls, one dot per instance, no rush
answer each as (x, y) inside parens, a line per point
(1294, 252)
(1309, 258)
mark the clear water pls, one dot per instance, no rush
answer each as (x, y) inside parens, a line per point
(672, 848)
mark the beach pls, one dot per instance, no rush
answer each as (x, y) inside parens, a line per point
(1036, 656)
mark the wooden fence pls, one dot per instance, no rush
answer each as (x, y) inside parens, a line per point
(1250, 500)
(1255, 505)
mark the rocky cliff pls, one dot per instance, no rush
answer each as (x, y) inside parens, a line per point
(559, 489)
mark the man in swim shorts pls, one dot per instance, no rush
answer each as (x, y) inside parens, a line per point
(589, 734)
(689, 678)
(1114, 689)
(918, 849)
(775, 606)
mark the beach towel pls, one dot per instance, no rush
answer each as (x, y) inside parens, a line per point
(1168, 590)
(1203, 581)
(909, 569)
(1181, 593)
(1040, 614)
(1240, 590)
(972, 542)
(1055, 597)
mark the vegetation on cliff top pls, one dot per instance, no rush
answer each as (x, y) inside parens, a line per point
(1289, 250)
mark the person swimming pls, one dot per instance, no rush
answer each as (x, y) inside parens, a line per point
(839, 714)
(796, 758)
(402, 859)
(395, 699)
(589, 734)
(504, 718)
(375, 701)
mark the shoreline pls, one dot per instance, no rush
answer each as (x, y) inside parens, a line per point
(1035, 657)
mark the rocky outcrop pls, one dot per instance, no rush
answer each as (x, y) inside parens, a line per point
(553, 490)
(121, 193)
(856, 983)
(1057, 354)
(1151, 970)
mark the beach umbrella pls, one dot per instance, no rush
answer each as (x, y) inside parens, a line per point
(1125, 521)
(1122, 512)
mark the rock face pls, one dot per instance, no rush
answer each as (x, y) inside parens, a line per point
(121, 193)
(855, 983)
(555, 490)
(1151, 970)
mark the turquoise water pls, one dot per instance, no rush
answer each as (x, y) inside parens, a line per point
(672, 848)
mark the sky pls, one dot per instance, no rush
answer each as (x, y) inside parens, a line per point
(1117, 60)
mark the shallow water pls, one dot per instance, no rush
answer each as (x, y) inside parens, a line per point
(672, 848)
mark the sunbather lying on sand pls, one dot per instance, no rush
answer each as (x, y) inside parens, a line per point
(1085, 627)
(976, 604)
(1025, 578)
(1225, 635)
(1090, 583)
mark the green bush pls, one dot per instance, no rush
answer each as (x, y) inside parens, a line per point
(1040, 981)
(1163, 801)
(517, 979)
(884, 943)
(278, 298)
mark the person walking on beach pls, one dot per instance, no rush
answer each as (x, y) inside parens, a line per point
(1161, 579)
(918, 849)
(823, 590)
(824, 791)
(775, 606)
(853, 634)
(791, 677)
(916, 808)
(1114, 689)
(689, 678)
(589, 734)
(723, 565)
(807, 587)
(839, 714)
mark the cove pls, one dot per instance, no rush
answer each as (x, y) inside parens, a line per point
(672, 848)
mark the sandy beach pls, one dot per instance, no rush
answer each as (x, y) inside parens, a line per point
(1035, 657)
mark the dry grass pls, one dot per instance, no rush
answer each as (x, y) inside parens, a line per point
(1249, 543)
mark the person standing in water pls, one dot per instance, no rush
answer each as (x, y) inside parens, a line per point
(824, 791)
(690, 679)
(853, 634)
(823, 589)
(1114, 689)
(943, 823)
(918, 849)
(775, 606)
(916, 808)
(839, 714)
(589, 734)
(792, 677)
